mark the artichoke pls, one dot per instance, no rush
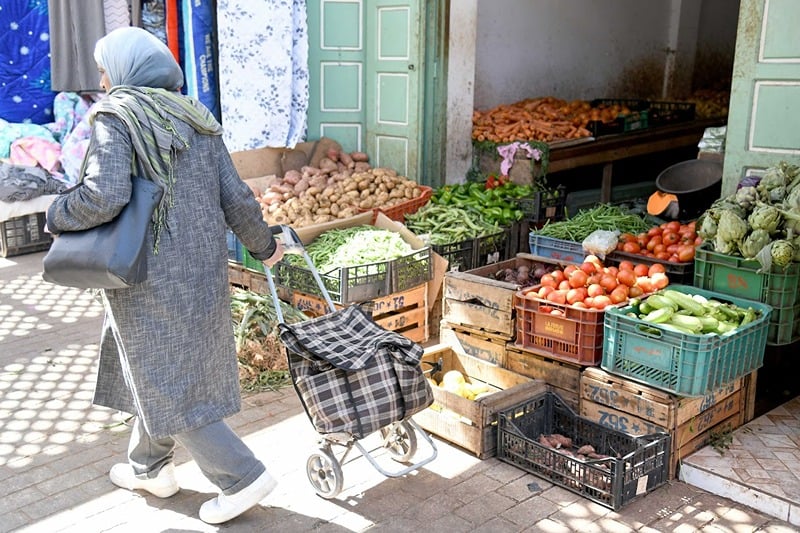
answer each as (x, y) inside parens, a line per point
(722, 246)
(707, 229)
(731, 227)
(796, 244)
(746, 197)
(773, 178)
(782, 253)
(765, 217)
(753, 243)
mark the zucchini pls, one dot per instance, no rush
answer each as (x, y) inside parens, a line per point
(685, 301)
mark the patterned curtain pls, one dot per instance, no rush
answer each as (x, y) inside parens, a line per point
(263, 72)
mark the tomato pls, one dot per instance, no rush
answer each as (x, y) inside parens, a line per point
(608, 282)
(625, 265)
(631, 247)
(557, 297)
(619, 295)
(595, 290)
(673, 259)
(626, 277)
(659, 248)
(653, 242)
(601, 302)
(673, 225)
(664, 256)
(642, 239)
(548, 280)
(686, 253)
(578, 279)
(652, 232)
(660, 280)
(670, 237)
(698, 241)
(627, 237)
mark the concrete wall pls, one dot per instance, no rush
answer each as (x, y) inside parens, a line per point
(580, 49)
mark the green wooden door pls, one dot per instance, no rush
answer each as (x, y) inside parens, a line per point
(365, 64)
(765, 90)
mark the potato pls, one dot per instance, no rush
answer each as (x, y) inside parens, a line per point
(359, 157)
(327, 165)
(361, 166)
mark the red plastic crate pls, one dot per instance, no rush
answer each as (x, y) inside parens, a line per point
(575, 335)
(398, 211)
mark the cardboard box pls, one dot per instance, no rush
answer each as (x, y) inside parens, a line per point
(269, 160)
(472, 424)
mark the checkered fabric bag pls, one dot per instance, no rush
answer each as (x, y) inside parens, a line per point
(352, 375)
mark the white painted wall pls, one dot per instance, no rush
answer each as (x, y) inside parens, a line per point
(577, 49)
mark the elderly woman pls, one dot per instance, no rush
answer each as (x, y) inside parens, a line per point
(167, 352)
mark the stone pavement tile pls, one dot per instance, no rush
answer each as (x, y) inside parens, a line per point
(778, 526)
(581, 515)
(558, 495)
(486, 508)
(529, 511)
(504, 472)
(433, 507)
(692, 516)
(735, 518)
(474, 487)
(548, 526)
(495, 525)
(656, 505)
(524, 487)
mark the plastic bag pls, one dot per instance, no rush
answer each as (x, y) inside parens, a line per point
(601, 242)
(713, 140)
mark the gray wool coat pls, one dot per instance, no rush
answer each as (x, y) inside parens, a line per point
(167, 346)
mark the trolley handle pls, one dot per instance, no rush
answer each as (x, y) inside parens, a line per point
(294, 246)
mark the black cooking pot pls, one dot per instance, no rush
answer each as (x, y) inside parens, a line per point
(696, 183)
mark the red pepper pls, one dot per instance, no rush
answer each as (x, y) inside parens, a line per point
(491, 182)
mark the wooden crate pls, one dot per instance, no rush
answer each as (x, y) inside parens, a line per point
(562, 377)
(482, 344)
(404, 312)
(472, 424)
(637, 409)
(475, 299)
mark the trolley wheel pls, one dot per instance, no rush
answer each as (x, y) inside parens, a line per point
(401, 441)
(325, 473)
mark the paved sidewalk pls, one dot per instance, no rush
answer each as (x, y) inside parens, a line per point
(56, 450)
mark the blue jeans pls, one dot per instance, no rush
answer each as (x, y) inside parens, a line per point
(221, 455)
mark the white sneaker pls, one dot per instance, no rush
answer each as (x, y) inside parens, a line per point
(223, 508)
(163, 485)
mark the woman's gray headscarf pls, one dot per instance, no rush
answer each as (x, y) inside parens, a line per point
(144, 81)
(134, 56)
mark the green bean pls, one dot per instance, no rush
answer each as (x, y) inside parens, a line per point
(603, 217)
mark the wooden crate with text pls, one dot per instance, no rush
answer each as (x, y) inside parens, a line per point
(637, 409)
(485, 345)
(562, 377)
(472, 424)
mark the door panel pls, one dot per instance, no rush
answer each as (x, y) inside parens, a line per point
(365, 88)
(765, 90)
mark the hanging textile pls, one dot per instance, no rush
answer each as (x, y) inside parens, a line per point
(116, 14)
(74, 28)
(199, 49)
(263, 72)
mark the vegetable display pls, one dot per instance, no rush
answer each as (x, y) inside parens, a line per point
(669, 241)
(447, 224)
(342, 185)
(255, 323)
(692, 314)
(591, 285)
(760, 221)
(602, 217)
(495, 200)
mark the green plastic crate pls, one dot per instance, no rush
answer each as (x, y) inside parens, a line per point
(778, 288)
(250, 262)
(684, 364)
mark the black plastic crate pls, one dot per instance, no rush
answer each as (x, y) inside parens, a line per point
(460, 255)
(492, 248)
(633, 466)
(637, 119)
(544, 205)
(412, 270)
(345, 285)
(663, 113)
(22, 235)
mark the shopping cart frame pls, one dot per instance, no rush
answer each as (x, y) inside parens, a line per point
(324, 468)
